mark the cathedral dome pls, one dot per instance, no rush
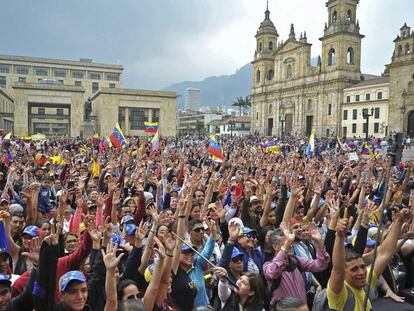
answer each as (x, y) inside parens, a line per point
(267, 27)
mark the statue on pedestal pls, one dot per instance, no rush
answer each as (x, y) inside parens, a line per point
(88, 110)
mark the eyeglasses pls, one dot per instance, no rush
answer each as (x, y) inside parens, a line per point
(198, 230)
(249, 236)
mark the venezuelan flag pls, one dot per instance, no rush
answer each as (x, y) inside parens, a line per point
(311, 144)
(151, 127)
(214, 148)
(271, 146)
(117, 138)
(155, 141)
(366, 152)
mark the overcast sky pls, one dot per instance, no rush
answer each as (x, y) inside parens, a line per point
(160, 42)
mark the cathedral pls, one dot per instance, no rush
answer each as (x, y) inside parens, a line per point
(291, 96)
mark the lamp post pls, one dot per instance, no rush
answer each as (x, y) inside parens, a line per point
(282, 120)
(367, 115)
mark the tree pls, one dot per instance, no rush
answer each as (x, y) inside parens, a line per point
(242, 103)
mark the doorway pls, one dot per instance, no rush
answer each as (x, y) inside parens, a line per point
(309, 125)
(288, 124)
(410, 124)
(269, 126)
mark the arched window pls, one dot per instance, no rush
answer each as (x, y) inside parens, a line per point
(270, 45)
(331, 57)
(257, 76)
(350, 56)
(407, 49)
(271, 74)
(270, 109)
(289, 71)
(334, 17)
(349, 16)
(404, 34)
(309, 104)
(260, 46)
(399, 50)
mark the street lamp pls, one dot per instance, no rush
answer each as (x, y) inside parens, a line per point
(282, 120)
(367, 115)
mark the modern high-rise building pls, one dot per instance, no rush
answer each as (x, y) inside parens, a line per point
(192, 99)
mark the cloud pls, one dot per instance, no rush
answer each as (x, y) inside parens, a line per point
(165, 41)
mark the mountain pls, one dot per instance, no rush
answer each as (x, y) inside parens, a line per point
(217, 91)
(220, 91)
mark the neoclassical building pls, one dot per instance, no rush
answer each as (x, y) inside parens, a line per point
(291, 96)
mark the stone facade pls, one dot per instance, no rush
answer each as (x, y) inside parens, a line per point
(290, 96)
(48, 96)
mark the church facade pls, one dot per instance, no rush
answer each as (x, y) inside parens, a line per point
(290, 96)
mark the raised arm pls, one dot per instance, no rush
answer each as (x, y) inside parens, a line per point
(111, 262)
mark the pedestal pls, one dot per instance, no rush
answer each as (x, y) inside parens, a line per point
(87, 128)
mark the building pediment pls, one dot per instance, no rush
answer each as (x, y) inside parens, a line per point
(290, 45)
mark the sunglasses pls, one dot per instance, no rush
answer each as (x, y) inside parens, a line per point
(237, 259)
(198, 230)
(249, 236)
(187, 252)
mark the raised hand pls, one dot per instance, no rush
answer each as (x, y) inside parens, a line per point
(221, 273)
(234, 231)
(170, 242)
(116, 198)
(140, 234)
(159, 249)
(34, 250)
(53, 238)
(102, 197)
(213, 228)
(110, 259)
(287, 231)
(154, 214)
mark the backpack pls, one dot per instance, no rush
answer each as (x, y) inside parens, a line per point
(320, 302)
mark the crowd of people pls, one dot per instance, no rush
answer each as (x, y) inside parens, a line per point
(177, 229)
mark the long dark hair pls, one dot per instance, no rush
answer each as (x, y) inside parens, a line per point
(256, 285)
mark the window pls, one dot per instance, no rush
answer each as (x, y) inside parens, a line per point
(329, 109)
(309, 104)
(257, 76)
(22, 70)
(344, 131)
(354, 114)
(60, 82)
(155, 115)
(41, 110)
(112, 76)
(407, 49)
(4, 68)
(59, 111)
(78, 83)
(345, 115)
(260, 46)
(270, 45)
(399, 50)
(41, 72)
(350, 56)
(111, 85)
(77, 74)
(368, 96)
(376, 127)
(354, 128)
(59, 73)
(377, 113)
(379, 95)
(357, 98)
(3, 81)
(121, 115)
(22, 79)
(334, 17)
(270, 109)
(349, 16)
(271, 74)
(95, 75)
(289, 71)
(331, 57)
(257, 116)
(95, 86)
(137, 118)
(348, 99)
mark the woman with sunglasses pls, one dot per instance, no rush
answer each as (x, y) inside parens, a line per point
(248, 296)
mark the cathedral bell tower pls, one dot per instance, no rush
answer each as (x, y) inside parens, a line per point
(266, 45)
(341, 43)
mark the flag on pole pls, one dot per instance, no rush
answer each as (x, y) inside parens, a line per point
(105, 144)
(151, 127)
(311, 144)
(117, 138)
(155, 141)
(271, 146)
(214, 148)
(366, 152)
